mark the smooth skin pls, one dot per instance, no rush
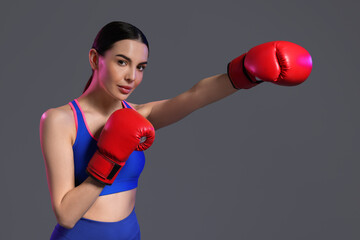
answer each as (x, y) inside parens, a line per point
(122, 66)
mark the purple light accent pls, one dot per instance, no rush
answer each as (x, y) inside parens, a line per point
(305, 60)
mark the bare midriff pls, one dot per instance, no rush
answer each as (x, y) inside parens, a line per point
(113, 207)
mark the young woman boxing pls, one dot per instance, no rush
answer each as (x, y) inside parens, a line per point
(93, 146)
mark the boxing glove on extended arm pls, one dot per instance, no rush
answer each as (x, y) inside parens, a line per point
(125, 131)
(280, 62)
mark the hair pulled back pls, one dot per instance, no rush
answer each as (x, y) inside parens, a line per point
(113, 32)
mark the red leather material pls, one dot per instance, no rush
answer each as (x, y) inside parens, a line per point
(101, 167)
(280, 62)
(237, 74)
(122, 134)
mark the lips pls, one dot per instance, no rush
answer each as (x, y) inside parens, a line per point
(125, 89)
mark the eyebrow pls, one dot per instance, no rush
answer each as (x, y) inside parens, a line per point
(127, 58)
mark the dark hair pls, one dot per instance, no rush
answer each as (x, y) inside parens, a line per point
(113, 32)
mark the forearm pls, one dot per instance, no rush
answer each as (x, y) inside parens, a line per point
(206, 91)
(77, 201)
(211, 89)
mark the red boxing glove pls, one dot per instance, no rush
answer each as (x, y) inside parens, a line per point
(125, 131)
(280, 62)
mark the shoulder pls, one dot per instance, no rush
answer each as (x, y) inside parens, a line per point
(62, 114)
(143, 109)
(155, 112)
(59, 119)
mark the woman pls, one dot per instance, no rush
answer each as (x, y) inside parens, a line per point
(85, 206)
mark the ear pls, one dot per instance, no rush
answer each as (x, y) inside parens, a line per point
(93, 58)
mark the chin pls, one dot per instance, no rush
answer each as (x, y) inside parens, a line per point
(122, 97)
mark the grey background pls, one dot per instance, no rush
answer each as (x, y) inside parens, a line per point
(268, 163)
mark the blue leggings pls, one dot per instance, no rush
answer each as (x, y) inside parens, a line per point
(126, 229)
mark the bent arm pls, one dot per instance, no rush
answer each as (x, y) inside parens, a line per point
(69, 203)
(208, 90)
(77, 202)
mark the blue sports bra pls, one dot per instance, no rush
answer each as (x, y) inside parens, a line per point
(85, 147)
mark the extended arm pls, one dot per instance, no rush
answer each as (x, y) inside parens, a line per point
(280, 62)
(206, 91)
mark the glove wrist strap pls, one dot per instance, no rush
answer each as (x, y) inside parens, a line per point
(237, 74)
(103, 168)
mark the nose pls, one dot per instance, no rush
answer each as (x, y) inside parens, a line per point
(131, 74)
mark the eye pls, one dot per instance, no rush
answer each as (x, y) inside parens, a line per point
(122, 62)
(141, 67)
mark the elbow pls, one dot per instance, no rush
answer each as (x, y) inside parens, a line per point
(65, 221)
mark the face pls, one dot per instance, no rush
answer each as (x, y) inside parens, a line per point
(121, 69)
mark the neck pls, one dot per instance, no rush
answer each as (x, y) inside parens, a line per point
(96, 98)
